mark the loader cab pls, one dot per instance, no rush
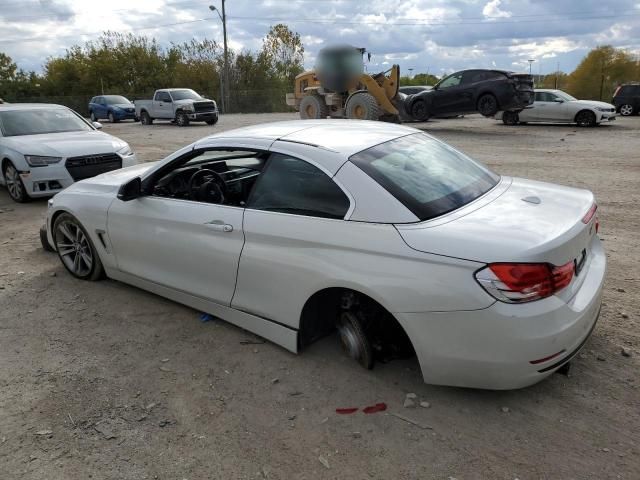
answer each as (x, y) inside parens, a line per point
(339, 68)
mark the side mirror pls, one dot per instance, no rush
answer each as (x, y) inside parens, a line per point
(97, 125)
(130, 190)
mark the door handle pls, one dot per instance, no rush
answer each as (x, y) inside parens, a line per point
(219, 226)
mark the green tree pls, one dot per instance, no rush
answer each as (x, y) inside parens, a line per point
(7, 67)
(284, 52)
(419, 79)
(600, 72)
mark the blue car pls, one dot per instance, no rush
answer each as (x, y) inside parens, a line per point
(113, 107)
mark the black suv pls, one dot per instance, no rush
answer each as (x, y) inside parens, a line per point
(470, 91)
(626, 98)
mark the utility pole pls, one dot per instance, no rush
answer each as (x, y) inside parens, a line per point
(224, 79)
(226, 55)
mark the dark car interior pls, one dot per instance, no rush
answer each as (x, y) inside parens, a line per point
(214, 177)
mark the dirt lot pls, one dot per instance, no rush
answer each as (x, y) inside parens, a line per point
(104, 381)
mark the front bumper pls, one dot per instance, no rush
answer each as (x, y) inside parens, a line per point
(122, 115)
(500, 347)
(49, 180)
(203, 116)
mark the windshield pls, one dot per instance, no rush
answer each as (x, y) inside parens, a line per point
(37, 121)
(565, 96)
(116, 100)
(429, 177)
(184, 95)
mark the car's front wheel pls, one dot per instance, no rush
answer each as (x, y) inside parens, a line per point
(585, 118)
(510, 118)
(75, 249)
(14, 183)
(112, 118)
(419, 111)
(213, 121)
(93, 117)
(487, 105)
(626, 110)
(181, 119)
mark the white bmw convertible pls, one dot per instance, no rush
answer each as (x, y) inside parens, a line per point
(291, 230)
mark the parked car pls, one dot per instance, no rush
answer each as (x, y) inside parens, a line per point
(626, 98)
(556, 106)
(45, 148)
(181, 105)
(413, 89)
(293, 229)
(113, 107)
(470, 91)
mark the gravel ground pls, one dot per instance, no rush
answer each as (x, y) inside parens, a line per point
(105, 381)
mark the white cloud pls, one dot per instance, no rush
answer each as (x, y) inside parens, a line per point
(492, 10)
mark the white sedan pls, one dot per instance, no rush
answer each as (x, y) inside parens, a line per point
(291, 230)
(45, 148)
(556, 106)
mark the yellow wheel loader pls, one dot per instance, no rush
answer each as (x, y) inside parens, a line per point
(338, 87)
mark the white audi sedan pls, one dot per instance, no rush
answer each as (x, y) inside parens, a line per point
(45, 148)
(292, 230)
(556, 106)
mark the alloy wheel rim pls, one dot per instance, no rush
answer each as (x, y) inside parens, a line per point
(74, 248)
(626, 110)
(14, 185)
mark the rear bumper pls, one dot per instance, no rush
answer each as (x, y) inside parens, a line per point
(502, 347)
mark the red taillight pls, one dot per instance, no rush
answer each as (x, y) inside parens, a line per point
(589, 215)
(524, 282)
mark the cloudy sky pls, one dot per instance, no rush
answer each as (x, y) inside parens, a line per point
(435, 36)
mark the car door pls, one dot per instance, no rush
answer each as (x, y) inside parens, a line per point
(548, 108)
(100, 108)
(186, 245)
(163, 105)
(294, 230)
(451, 96)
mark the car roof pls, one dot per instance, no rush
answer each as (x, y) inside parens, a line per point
(342, 136)
(28, 106)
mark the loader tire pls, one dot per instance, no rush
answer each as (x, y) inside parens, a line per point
(363, 106)
(313, 106)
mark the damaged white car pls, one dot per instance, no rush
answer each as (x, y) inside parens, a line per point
(291, 230)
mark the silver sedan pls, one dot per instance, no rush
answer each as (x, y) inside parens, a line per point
(556, 106)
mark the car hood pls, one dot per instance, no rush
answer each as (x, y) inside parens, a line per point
(593, 103)
(123, 105)
(518, 221)
(67, 144)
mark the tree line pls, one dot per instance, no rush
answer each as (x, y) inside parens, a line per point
(135, 65)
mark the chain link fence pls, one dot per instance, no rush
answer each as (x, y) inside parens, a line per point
(238, 101)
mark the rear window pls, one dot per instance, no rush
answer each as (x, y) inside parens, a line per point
(429, 177)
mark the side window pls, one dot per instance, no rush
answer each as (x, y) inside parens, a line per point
(452, 81)
(163, 97)
(474, 76)
(544, 97)
(291, 185)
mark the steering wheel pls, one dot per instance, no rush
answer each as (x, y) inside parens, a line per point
(205, 185)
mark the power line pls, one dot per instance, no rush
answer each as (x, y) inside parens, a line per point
(421, 23)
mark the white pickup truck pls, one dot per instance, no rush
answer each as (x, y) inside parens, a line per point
(181, 105)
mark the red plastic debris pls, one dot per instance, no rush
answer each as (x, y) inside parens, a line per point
(346, 411)
(378, 407)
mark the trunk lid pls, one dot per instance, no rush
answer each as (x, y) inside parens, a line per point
(518, 221)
